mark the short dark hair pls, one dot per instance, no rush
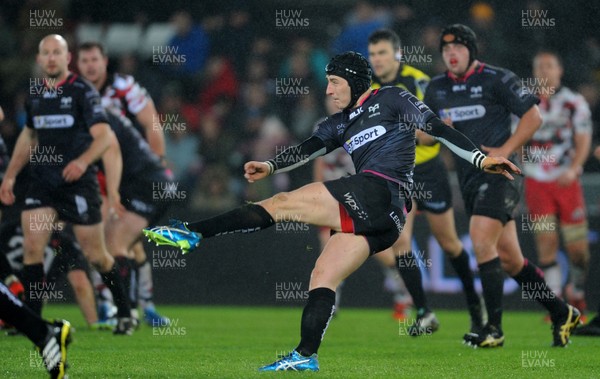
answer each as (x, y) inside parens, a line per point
(385, 35)
(554, 53)
(86, 46)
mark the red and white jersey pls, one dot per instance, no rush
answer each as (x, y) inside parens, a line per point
(550, 151)
(124, 95)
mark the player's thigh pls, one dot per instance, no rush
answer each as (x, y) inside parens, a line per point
(343, 254)
(37, 225)
(444, 230)
(123, 232)
(312, 204)
(509, 249)
(485, 233)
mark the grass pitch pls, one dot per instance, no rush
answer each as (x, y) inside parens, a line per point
(232, 342)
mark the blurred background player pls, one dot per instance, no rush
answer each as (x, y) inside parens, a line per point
(334, 166)
(431, 192)
(553, 163)
(122, 94)
(478, 99)
(50, 338)
(142, 172)
(63, 183)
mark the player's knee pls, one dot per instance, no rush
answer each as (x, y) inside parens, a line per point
(484, 247)
(511, 263)
(101, 262)
(451, 246)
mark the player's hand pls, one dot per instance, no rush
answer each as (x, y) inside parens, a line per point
(254, 171)
(74, 170)
(495, 151)
(567, 177)
(7, 195)
(500, 165)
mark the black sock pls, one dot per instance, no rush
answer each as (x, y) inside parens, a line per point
(113, 280)
(409, 270)
(246, 219)
(315, 319)
(125, 272)
(33, 282)
(133, 283)
(461, 266)
(492, 281)
(531, 280)
(15, 313)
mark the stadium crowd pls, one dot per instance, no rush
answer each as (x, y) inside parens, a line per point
(240, 91)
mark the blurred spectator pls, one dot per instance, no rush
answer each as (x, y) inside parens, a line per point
(490, 40)
(235, 40)
(430, 40)
(213, 194)
(363, 20)
(316, 59)
(191, 42)
(219, 83)
(180, 144)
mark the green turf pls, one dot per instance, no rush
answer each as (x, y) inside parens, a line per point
(232, 342)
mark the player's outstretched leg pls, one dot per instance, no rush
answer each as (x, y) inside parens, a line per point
(311, 204)
(51, 339)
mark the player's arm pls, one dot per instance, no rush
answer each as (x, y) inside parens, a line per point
(460, 145)
(20, 157)
(112, 162)
(528, 124)
(101, 134)
(582, 141)
(148, 118)
(287, 160)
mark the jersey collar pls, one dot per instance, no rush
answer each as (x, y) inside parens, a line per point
(70, 79)
(476, 69)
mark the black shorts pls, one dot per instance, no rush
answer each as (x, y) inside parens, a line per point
(149, 199)
(67, 257)
(492, 196)
(431, 189)
(369, 206)
(77, 203)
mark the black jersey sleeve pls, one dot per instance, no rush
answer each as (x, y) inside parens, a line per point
(512, 95)
(454, 140)
(297, 156)
(92, 109)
